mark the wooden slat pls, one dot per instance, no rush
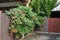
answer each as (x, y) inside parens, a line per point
(9, 4)
(0, 25)
(5, 26)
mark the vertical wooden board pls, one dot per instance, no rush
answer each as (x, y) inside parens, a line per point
(0, 25)
(45, 24)
(5, 28)
(55, 25)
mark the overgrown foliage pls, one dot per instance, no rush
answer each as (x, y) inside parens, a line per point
(43, 7)
(23, 20)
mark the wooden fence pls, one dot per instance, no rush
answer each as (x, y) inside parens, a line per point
(4, 24)
(54, 25)
(51, 25)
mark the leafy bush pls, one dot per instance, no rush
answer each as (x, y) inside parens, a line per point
(23, 21)
(43, 7)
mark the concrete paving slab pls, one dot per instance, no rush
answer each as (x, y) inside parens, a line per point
(43, 36)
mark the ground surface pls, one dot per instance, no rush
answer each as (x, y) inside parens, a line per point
(43, 36)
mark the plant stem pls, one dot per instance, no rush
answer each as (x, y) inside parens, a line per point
(22, 37)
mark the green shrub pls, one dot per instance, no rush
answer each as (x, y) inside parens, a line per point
(23, 20)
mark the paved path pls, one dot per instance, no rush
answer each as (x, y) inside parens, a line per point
(43, 36)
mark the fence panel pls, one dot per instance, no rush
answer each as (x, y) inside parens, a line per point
(0, 25)
(4, 24)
